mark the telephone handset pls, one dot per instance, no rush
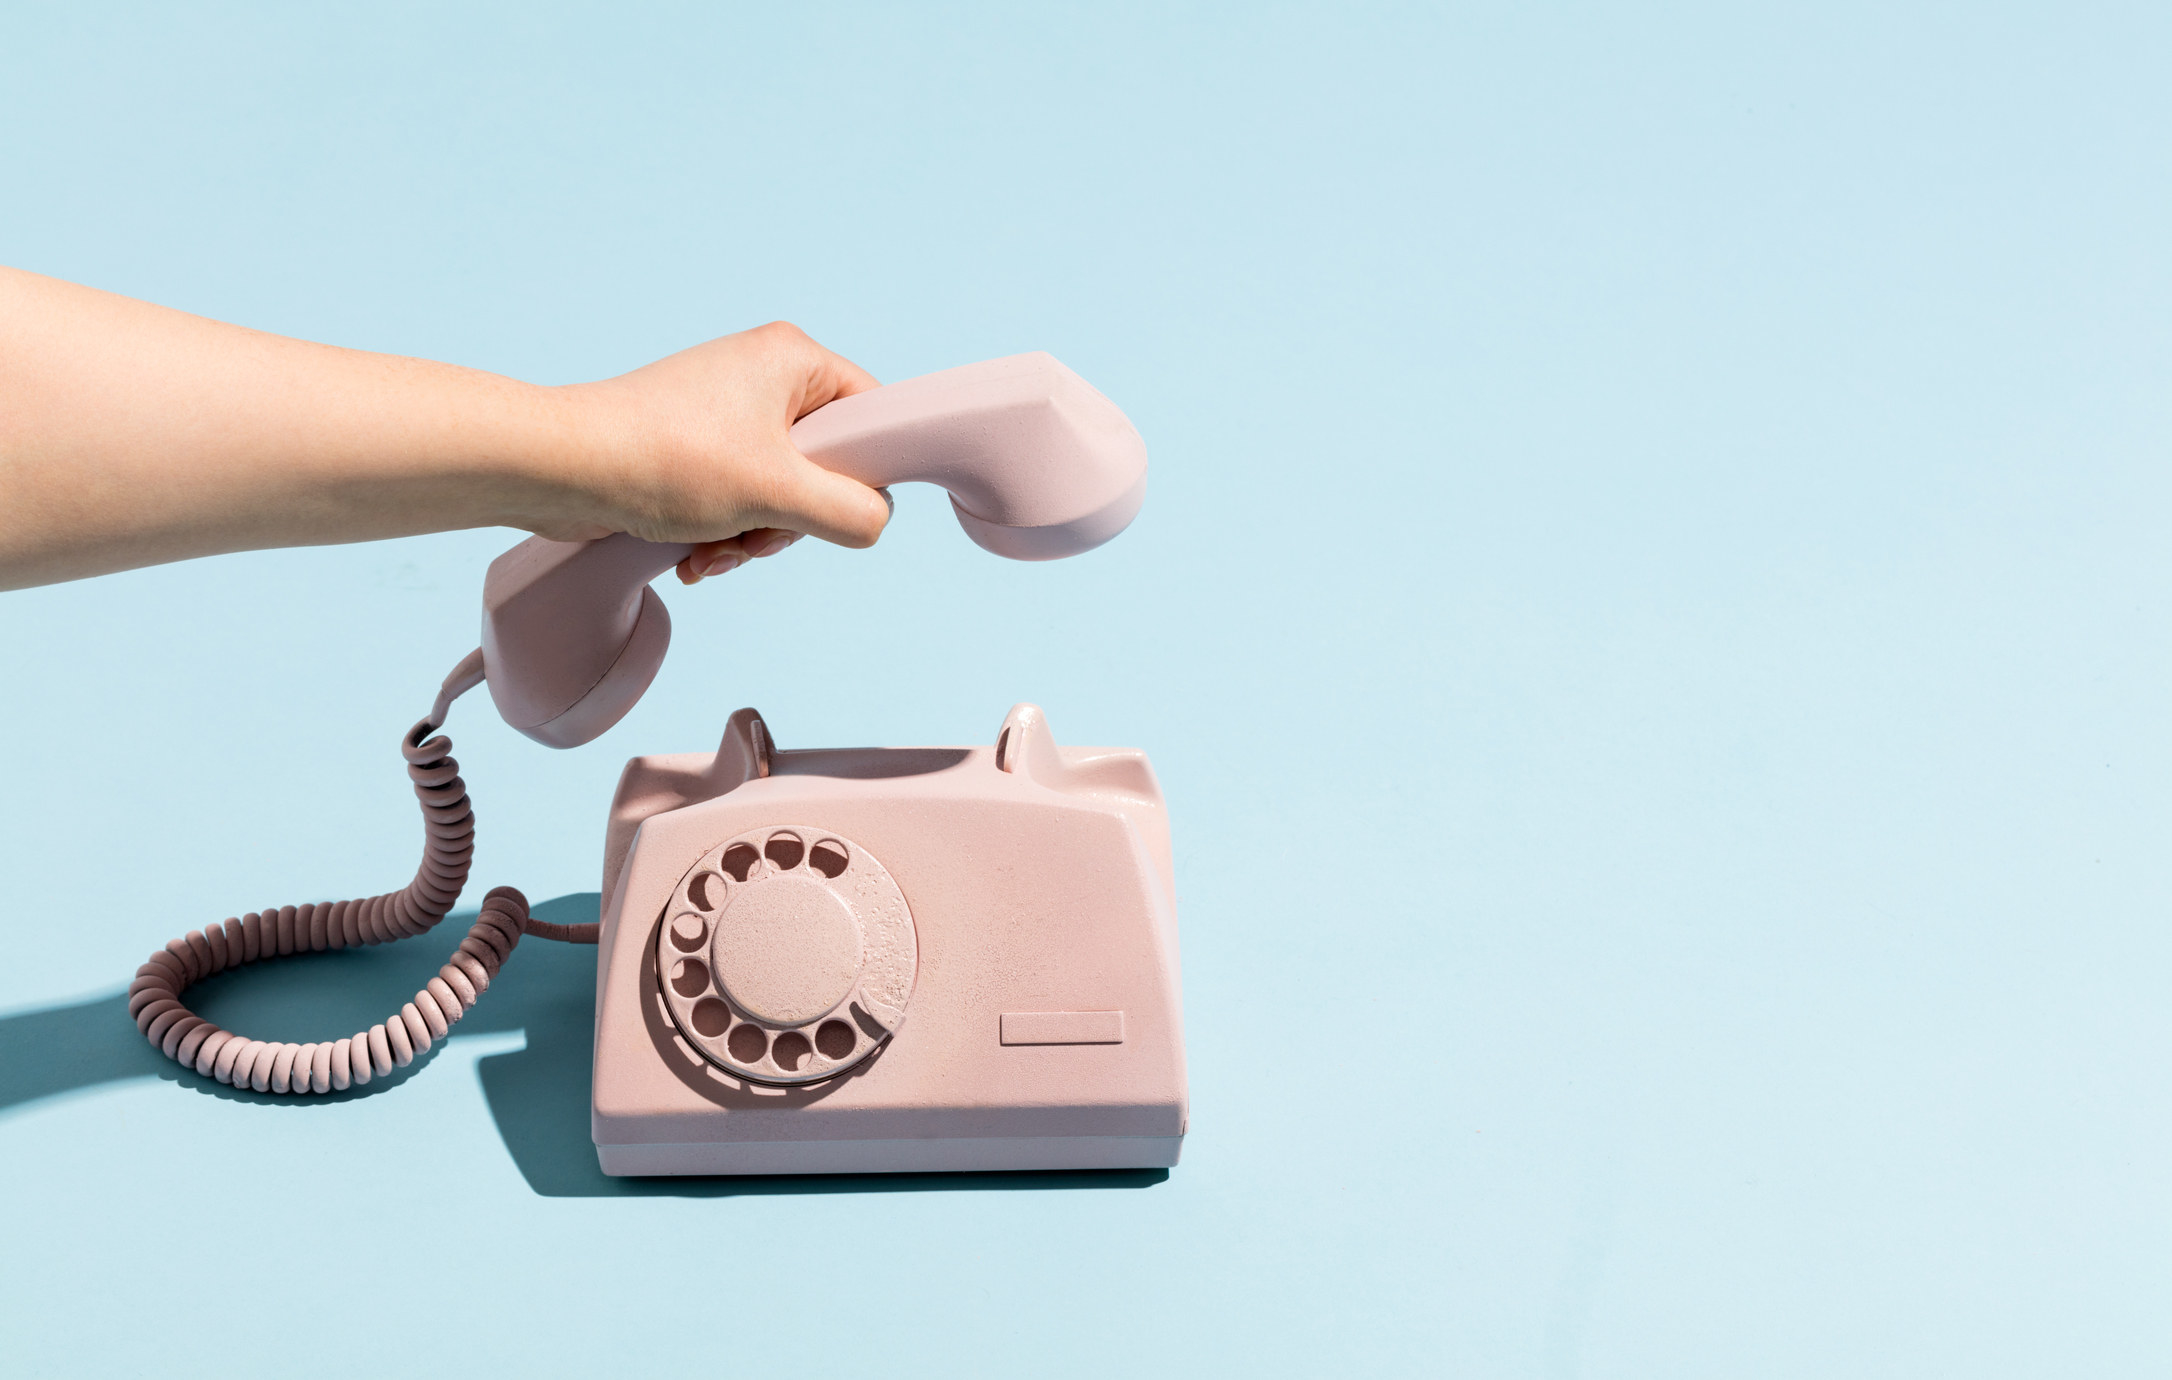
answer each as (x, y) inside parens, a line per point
(769, 917)
(1038, 465)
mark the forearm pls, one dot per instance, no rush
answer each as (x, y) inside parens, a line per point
(131, 434)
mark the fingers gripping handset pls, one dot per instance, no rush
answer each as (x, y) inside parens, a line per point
(1037, 463)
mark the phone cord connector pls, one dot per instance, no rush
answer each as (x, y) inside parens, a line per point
(154, 998)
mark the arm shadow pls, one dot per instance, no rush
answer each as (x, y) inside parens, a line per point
(538, 1095)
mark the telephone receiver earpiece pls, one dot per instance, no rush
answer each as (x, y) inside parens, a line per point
(1038, 465)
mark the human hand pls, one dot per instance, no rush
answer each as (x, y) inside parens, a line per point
(696, 448)
(131, 434)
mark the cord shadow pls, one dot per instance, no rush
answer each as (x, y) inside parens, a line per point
(57, 1050)
(538, 1096)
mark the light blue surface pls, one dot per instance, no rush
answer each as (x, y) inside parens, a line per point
(1651, 615)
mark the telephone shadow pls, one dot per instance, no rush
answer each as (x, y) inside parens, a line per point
(538, 1096)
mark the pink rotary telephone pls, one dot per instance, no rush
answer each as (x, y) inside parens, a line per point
(772, 918)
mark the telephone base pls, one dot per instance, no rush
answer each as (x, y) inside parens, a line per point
(1019, 900)
(962, 1155)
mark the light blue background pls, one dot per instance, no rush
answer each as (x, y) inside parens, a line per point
(1651, 617)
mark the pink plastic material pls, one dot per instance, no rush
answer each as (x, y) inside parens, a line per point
(1038, 465)
(1029, 886)
(787, 955)
(572, 634)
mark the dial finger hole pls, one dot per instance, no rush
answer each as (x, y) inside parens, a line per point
(748, 1043)
(829, 858)
(689, 977)
(705, 891)
(710, 1017)
(785, 850)
(739, 860)
(790, 1051)
(835, 1039)
(687, 932)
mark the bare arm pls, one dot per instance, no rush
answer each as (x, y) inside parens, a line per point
(131, 434)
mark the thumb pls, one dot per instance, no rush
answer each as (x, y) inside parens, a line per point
(823, 503)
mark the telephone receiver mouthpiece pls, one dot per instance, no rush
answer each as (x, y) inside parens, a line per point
(1038, 465)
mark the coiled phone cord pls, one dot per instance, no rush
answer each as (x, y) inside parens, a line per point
(154, 998)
